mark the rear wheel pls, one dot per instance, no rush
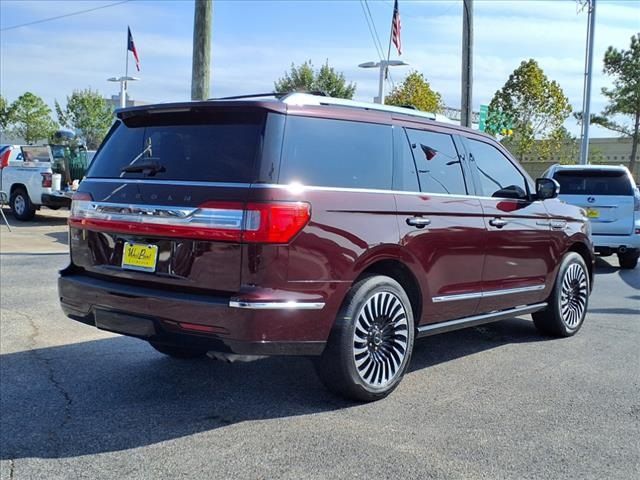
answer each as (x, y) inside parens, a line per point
(628, 260)
(370, 345)
(567, 305)
(178, 352)
(21, 205)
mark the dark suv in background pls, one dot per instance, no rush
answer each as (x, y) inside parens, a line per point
(306, 225)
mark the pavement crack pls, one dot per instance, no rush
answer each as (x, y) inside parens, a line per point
(51, 377)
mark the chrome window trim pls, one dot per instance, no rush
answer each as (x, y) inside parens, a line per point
(294, 187)
(491, 293)
(276, 305)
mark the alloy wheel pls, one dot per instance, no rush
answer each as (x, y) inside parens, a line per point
(19, 205)
(380, 339)
(573, 296)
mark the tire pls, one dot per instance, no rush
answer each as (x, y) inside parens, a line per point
(628, 260)
(568, 302)
(370, 345)
(21, 205)
(183, 353)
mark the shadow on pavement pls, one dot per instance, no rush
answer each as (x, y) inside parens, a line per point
(630, 277)
(60, 237)
(43, 218)
(117, 393)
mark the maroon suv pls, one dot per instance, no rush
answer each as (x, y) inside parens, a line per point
(305, 225)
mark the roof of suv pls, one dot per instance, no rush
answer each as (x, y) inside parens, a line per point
(284, 103)
(591, 167)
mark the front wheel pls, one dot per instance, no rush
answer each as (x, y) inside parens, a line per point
(567, 305)
(370, 346)
(628, 260)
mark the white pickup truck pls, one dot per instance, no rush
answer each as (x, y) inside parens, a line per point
(26, 176)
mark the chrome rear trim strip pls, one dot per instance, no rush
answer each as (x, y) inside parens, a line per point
(448, 326)
(492, 293)
(291, 305)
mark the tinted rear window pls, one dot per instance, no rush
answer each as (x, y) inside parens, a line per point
(189, 146)
(336, 153)
(594, 182)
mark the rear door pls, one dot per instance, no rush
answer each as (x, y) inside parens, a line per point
(607, 196)
(519, 259)
(440, 224)
(163, 201)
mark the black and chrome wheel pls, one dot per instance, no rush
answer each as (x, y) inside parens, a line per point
(371, 343)
(567, 304)
(21, 205)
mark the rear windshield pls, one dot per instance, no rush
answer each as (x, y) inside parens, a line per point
(594, 182)
(188, 146)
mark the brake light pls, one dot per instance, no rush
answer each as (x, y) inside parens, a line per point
(274, 222)
(636, 202)
(4, 158)
(46, 180)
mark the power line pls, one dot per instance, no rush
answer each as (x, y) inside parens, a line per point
(374, 35)
(79, 12)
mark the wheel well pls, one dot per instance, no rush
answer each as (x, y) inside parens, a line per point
(582, 250)
(17, 186)
(401, 274)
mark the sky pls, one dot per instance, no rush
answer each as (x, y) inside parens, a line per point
(255, 42)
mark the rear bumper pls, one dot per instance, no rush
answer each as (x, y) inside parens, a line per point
(49, 200)
(613, 242)
(186, 319)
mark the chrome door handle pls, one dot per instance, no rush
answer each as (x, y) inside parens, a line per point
(418, 222)
(497, 222)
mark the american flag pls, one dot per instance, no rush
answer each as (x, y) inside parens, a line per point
(395, 28)
(132, 48)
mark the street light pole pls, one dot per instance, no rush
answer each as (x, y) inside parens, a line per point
(383, 65)
(123, 87)
(588, 69)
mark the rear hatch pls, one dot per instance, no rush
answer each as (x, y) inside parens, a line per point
(164, 198)
(606, 195)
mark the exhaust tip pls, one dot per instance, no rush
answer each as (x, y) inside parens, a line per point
(622, 249)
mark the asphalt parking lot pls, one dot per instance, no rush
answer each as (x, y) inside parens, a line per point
(493, 402)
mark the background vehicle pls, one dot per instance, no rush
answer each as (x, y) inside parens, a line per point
(316, 226)
(28, 175)
(612, 202)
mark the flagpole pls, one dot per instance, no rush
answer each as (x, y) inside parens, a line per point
(386, 71)
(123, 90)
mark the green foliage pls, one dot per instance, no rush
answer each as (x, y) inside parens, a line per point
(31, 119)
(624, 98)
(536, 107)
(415, 91)
(88, 114)
(6, 113)
(304, 78)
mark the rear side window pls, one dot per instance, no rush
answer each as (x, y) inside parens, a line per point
(336, 153)
(439, 167)
(594, 182)
(497, 175)
(190, 146)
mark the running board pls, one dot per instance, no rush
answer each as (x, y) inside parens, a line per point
(451, 325)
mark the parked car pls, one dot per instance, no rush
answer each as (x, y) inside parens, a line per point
(26, 175)
(306, 225)
(612, 202)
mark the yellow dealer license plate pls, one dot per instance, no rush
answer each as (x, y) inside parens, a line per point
(592, 213)
(138, 256)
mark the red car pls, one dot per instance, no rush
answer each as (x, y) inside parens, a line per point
(306, 225)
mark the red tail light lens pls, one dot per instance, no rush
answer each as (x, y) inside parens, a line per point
(276, 222)
(46, 180)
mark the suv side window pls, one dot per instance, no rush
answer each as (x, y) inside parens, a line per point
(497, 175)
(439, 166)
(336, 153)
(405, 173)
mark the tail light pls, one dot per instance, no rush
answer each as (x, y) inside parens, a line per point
(4, 158)
(636, 201)
(46, 180)
(275, 222)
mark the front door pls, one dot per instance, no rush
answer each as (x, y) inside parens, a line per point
(519, 258)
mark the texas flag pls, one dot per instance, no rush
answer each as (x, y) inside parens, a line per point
(132, 48)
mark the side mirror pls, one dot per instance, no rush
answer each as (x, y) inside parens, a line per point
(547, 188)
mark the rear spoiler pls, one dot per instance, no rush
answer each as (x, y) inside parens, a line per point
(160, 108)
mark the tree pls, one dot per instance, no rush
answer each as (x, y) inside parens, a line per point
(415, 91)
(31, 118)
(536, 106)
(6, 113)
(304, 78)
(88, 114)
(624, 97)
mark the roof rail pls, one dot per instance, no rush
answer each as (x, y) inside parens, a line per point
(278, 95)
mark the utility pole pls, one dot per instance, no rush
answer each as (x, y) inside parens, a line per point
(588, 69)
(201, 65)
(467, 63)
